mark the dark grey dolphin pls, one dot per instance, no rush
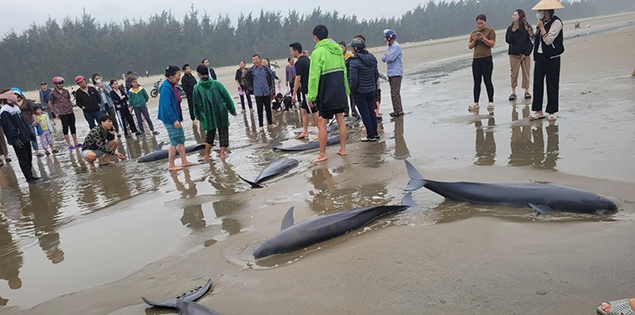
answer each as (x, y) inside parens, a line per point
(321, 228)
(274, 169)
(309, 145)
(540, 197)
(185, 303)
(159, 154)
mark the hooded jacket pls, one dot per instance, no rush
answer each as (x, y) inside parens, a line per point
(363, 73)
(15, 127)
(328, 86)
(139, 98)
(169, 107)
(212, 104)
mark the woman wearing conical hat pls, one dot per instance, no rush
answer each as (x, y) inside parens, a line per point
(548, 47)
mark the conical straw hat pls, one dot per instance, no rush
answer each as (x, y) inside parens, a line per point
(548, 5)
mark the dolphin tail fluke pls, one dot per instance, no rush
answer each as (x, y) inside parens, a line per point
(253, 185)
(407, 200)
(187, 297)
(416, 179)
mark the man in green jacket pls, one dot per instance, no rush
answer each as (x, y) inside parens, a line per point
(328, 87)
(211, 105)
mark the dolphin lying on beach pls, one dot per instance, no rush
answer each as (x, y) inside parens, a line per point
(185, 303)
(540, 197)
(321, 228)
(309, 145)
(159, 154)
(334, 126)
(274, 169)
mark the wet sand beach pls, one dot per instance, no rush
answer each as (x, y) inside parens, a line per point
(86, 242)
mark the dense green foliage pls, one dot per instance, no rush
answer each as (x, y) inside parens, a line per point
(84, 46)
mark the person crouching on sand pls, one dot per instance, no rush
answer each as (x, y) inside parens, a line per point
(212, 103)
(171, 115)
(101, 142)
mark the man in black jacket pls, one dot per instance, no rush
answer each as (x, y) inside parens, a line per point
(87, 98)
(188, 81)
(18, 134)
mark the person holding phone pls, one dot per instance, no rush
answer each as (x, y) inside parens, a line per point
(520, 48)
(482, 40)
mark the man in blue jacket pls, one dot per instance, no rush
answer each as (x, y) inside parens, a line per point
(392, 58)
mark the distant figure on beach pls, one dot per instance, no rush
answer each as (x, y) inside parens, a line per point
(260, 83)
(327, 79)
(212, 103)
(87, 98)
(301, 88)
(46, 129)
(241, 83)
(548, 47)
(482, 40)
(137, 99)
(188, 81)
(211, 72)
(101, 143)
(577, 24)
(289, 72)
(45, 92)
(171, 115)
(520, 48)
(347, 56)
(120, 99)
(17, 132)
(60, 104)
(393, 60)
(362, 80)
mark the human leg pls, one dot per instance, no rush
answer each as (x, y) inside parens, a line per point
(267, 104)
(190, 105)
(242, 101)
(24, 159)
(552, 73)
(477, 75)
(209, 142)
(342, 126)
(526, 67)
(515, 64)
(34, 142)
(260, 103)
(395, 94)
(539, 86)
(360, 101)
(89, 119)
(488, 68)
(223, 135)
(322, 137)
(146, 114)
(138, 113)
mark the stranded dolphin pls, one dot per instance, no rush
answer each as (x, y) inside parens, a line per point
(185, 303)
(274, 169)
(309, 145)
(159, 154)
(540, 197)
(321, 228)
(334, 125)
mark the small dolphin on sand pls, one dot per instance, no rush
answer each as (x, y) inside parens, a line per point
(309, 145)
(321, 228)
(185, 303)
(159, 154)
(540, 197)
(274, 169)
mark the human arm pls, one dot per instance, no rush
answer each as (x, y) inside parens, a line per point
(165, 105)
(490, 39)
(145, 95)
(296, 86)
(196, 98)
(315, 70)
(509, 36)
(550, 36)
(472, 42)
(392, 53)
(353, 76)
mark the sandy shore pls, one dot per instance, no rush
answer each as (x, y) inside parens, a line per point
(445, 257)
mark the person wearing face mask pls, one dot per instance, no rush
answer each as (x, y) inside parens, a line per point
(548, 47)
(18, 133)
(107, 105)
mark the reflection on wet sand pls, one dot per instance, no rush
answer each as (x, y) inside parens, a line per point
(485, 143)
(10, 259)
(528, 144)
(193, 216)
(43, 209)
(225, 208)
(401, 149)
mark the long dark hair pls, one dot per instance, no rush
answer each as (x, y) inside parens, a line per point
(522, 19)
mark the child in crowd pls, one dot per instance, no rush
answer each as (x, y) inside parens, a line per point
(45, 125)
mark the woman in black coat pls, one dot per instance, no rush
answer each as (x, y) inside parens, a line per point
(520, 48)
(120, 99)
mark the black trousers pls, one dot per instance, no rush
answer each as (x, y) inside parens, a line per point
(190, 104)
(482, 69)
(25, 159)
(264, 101)
(127, 120)
(223, 135)
(549, 69)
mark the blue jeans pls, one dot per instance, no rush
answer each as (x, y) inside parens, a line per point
(92, 118)
(366, 106)
(139, 111)
(34, 142)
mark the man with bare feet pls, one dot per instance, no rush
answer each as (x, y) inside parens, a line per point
(171, 115)
(620, 307)
(101, 143)
(300, 88)
(328, 87)
(212, 104)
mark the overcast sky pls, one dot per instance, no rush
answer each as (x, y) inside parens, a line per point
(20, 14)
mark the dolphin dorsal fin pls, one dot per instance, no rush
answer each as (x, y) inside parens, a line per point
(159, 146)
(287, 221)
(542, 209)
